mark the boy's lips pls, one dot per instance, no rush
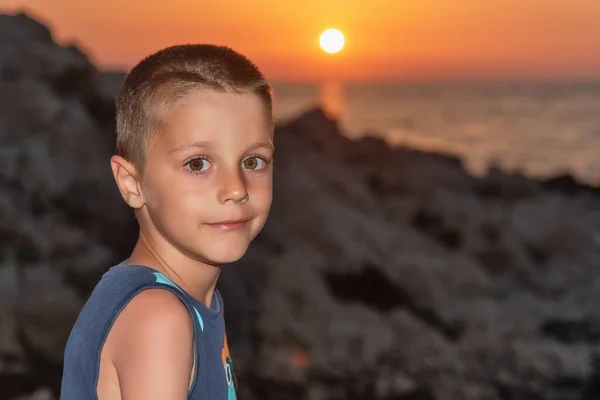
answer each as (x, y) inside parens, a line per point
(229, 225)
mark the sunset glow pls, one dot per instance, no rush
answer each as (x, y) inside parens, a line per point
(384, 39)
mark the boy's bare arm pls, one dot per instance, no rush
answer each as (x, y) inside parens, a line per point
(152, 347)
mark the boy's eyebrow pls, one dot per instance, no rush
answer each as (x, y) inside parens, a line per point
(258, 145)
(206, 144)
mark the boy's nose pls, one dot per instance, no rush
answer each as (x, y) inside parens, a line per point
(233, 187)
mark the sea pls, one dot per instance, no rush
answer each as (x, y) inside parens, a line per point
(537, 129)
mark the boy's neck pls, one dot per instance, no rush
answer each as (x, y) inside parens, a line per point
(196, 278)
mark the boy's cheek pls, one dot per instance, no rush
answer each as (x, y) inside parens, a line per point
(262, 181)
(262, 196)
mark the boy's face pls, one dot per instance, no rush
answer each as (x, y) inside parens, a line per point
(208, 179)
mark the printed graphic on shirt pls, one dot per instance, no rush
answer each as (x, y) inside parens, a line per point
(229, 373)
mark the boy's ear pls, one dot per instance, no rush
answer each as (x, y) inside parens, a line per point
(128, 181)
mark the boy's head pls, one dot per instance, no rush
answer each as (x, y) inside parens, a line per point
(195, 150)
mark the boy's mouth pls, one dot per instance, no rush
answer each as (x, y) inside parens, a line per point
(229, 225)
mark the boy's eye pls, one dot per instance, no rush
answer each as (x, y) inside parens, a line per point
(198, 164)
(253, 163)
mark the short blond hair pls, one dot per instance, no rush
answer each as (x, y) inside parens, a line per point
(166, 76)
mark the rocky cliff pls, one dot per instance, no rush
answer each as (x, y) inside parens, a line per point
(382, 273)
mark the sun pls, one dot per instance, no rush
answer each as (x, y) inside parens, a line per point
(332, 41)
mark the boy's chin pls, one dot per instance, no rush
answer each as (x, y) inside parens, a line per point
(220, 256)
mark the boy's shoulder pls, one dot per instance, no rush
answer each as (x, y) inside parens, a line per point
(124, 288)
(123, 283)
(131, 286)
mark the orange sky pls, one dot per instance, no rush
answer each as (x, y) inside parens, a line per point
(385, 39)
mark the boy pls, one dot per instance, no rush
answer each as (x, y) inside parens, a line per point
(195, 151)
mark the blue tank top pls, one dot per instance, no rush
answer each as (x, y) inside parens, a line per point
(213, 379)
